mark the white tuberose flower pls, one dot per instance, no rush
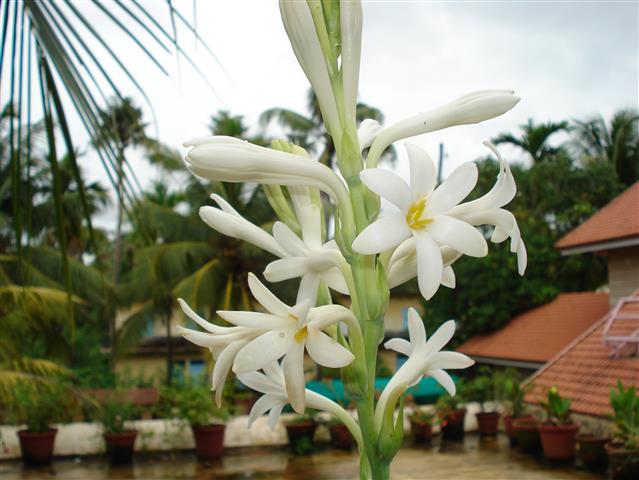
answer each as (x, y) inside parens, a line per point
(424, 359)
(424, 214)
(272, 384)
(472, 108)
(229, 159)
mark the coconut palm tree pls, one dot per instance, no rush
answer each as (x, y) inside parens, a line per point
(616, 142)
(534, 139)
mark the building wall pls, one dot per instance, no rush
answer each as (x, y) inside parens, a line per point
(397, 306)
(623, 272)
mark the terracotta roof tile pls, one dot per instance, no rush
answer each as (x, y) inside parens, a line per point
(585, 372)
(539, 334)
(617, 220)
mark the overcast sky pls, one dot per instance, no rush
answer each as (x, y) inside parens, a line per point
(564, 59)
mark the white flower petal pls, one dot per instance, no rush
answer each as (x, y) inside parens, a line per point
(323, 316)
(449, 360)
(367, 131)
(387, 185)
(223, 364)
(326, 351)
(263, 405)
(288, 240)
(429, 264)
(266, 298)
(285, 269)
(311, 223)
(208, 326)
(335, 280)
(208, 340)
(259, 382)
(444, 380)
(423, 176)
(308, 288)
(441, 337)
(266, 348)
(293, 366)
(402, 270)
(453, 190)
(351, 37)
(274, 415)
(265, 321)
(300, 310)
(459, 235)
(522, 258)
(399, 345)
(448, 277)
(416, 329)
(383, 234)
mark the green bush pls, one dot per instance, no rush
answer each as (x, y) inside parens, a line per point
(39, 405)
(192, 403)
(625, 406)
(115, 412)
(511, 391)
(557, 408)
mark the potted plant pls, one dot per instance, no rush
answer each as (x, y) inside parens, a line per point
(452, 415)
(558, 432)
(38, 406)
(482, 389)
(591, 450)
(300, 430)
(526, 433)
(421, 424)
(115, 413)
(194, 404)
(623, 452)
(512, 393)
(341, 436)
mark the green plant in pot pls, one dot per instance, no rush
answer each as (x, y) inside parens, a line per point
(38, 406)
(115, 414)
(623, 452)
(512, 393)
(194, 405)
(300, 430)
(558, 432)
(452, 414)
(483, 390)
(421, 424)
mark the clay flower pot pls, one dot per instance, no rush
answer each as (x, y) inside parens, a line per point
(592, 451)
(422, 431)
(209, 440)
(559, 441)
(300, 435)
(508, 427)
(488, 423)
(120, 446)
(37, 447)
(341, 437)
(624, 463)
(527, 435)
(453, 425)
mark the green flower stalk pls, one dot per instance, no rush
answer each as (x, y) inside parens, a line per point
(369, 253)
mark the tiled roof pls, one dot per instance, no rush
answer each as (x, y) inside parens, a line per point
(585, 371)
(539, 334)
(617, 220)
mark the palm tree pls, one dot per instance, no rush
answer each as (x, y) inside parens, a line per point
(617, 143)
(308, 131)
(534, 139)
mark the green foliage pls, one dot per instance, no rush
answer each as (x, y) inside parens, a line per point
(38, 405)
(483, 388)
(447, 403)
(192, 403)
(115, 412)
(420, 415)
(557, 408)
(625, 406)
(512, 391)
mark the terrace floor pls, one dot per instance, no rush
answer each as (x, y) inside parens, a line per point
(474, 459)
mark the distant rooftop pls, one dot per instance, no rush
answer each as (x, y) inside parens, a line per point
(585, 371)
(614, 226)
(539, 334)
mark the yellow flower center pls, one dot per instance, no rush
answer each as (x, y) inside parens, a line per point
(414, 215)
(301, 334)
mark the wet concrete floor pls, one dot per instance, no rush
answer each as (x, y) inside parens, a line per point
(475, 459)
